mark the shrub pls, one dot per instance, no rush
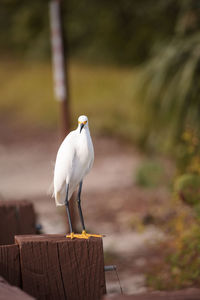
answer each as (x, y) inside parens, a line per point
(150, 174)
(187, 187)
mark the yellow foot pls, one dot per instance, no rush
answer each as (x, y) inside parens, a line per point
(87, 235)
(71, 235)
(83, 235)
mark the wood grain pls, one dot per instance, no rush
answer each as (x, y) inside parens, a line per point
(10, 264)
(16, 217)
(54, 267)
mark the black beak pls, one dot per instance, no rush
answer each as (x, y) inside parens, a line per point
(81, 127)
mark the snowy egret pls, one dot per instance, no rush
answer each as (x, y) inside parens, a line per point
(74, 160)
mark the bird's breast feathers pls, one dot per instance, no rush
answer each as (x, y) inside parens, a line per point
(84, 156)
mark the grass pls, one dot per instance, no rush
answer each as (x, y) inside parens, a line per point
(104, 93)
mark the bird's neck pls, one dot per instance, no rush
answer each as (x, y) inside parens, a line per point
(84, 142)
(85, 134)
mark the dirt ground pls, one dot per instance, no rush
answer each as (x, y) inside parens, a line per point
(112, 203)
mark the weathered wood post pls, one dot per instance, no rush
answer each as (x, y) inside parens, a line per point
(10, 264)
(16, 217)
(56, 267)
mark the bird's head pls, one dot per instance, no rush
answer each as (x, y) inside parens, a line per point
(82, 122)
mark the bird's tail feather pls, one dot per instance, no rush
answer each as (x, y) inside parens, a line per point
(61, 195)
(60, 198)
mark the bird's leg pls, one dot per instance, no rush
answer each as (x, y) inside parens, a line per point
(84, 234)
(79, 206)
(68, 213)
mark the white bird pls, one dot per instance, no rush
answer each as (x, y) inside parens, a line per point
(74, 160)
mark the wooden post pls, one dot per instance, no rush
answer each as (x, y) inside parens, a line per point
(8, 292)
(10, 264)
(56, 267)
(16, 217)
(61, 86)
(59, 58)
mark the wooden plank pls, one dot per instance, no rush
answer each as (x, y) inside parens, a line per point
(8, 292)
(10, 264)
(20, 216)
(54, 267)
(186, 294)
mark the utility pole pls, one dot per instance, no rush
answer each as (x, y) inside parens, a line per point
(61, 86)
(59, 58)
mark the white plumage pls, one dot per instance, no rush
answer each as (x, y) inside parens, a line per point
(74, 160)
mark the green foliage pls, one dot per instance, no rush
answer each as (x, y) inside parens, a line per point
(169, 86)
(24, 28)
(118, 31)
(188, 153)
(150, 174)
(109, 31)
(187, 187)
(187, 184)
(187, 258)
(182, 266)
(182, 263)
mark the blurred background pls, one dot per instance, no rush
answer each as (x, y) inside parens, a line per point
(133, 68)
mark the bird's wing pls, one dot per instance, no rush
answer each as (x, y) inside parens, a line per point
(91, 164)
(63, 168)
